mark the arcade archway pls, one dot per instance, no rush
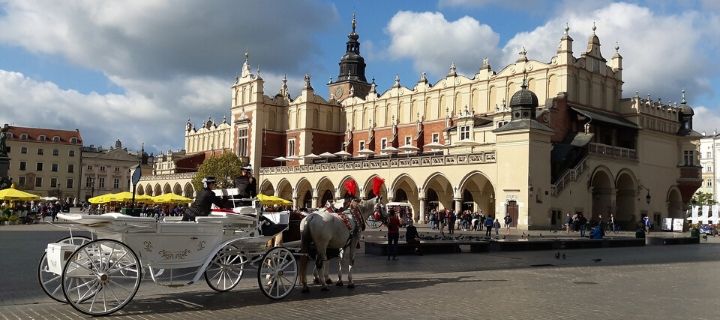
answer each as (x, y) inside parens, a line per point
(675, 204)
(478, 194)
(267, 189)
(325, 190)
(602, 189)
(405, 190)
(304, 194)
(177, 189)
(188, 191)
(626, 189)
(442, 189)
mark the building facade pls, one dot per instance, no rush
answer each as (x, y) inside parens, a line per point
(106, 170)
(709, 147)
(534, 140)
(45, 162)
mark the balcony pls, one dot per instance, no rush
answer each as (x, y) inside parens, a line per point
(612, 151)
(387, 163)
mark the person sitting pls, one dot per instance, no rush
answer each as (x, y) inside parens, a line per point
(203, 201)
(412, 237)
(596, 232)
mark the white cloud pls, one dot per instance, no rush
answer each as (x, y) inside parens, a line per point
(433, 43)
(706, 120)
(170, 58)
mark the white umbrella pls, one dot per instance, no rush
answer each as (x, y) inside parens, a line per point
(408, 148)
(342, 153)
(434, 145)
(49, 198)
(390, 149)
(366, 152)
(292, 158)
(280, 159)
(466, 143)
(311, 156)
(327, 155)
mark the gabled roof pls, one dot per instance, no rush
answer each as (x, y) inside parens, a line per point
(33, 134)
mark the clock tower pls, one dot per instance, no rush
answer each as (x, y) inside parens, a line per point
(351, 81)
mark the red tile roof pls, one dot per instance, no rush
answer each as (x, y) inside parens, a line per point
(34, 133)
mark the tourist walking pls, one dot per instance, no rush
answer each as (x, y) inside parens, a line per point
(496, 225)
(488, 226)
(393, 234)
(508, 221)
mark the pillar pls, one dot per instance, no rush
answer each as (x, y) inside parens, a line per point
(421, 212)
(458, 205)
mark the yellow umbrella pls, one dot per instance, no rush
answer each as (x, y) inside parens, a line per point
(144, 198)
(272, 200)
(105, 198)
(171, 198)
(15, 194)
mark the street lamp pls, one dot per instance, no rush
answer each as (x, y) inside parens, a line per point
(647, 197)
(92, 187)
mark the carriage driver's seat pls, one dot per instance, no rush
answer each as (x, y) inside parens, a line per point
(269, 228)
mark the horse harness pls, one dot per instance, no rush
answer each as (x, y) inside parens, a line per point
(359, 224)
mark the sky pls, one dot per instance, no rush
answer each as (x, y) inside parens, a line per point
(137, 70)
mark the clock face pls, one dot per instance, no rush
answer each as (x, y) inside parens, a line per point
(338, 92)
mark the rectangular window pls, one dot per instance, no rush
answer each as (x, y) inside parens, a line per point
(408, 140)
(71, 153)
(117, 169)
(69, 183)
(708, 155)
(38, 182)
(362, 145)
(242, 142)
(89, 168)
(23, 164)
(464, 132)
(71, 168)
(21, 181)
(88, 182)
(436, 137)
(101, 183)
(291, 147)
(102, 168)
(383, 143)
(23, 150)
(53, 182)
(688, 158)
(56, 152)
(39, 166)
(116, 183)
(40, 151)
(54, 167)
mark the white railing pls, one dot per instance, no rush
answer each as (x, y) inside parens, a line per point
(612, 151)
(174, 176)
(569, 176)
(385, 163)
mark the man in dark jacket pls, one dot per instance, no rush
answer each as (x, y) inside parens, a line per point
(246, 184)
(203, 201)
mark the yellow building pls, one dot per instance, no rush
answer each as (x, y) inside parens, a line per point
(533, 140)
(45, 162)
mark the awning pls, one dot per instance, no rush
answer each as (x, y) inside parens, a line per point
(615, 120)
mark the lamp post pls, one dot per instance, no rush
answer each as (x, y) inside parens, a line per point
(92, 187)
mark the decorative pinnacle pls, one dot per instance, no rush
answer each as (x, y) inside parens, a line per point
(354, 23)
(683, 101)
(567, 28)
(247, 55)
(523, 52)
(594, 27)
(617, 46)
(524, 83)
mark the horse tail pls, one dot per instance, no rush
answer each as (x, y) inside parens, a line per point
(305, 236)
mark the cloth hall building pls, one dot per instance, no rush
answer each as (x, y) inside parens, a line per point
(534, 140)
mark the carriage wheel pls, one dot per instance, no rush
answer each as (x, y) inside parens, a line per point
(50, 282)
(101, 277)
(277, 273)
(372, 223)
(225, 269)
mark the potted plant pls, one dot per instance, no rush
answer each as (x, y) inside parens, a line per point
(3, 219)
(13, 219)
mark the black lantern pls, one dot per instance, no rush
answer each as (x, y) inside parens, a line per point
(647, 197)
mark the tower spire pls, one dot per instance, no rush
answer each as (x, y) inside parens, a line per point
(354, 23)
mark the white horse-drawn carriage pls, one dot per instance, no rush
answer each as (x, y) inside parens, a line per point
(101, 274)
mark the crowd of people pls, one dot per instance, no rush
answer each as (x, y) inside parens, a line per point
(467, 221)
(29, 212)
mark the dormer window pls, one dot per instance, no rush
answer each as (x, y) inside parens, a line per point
(41, 138)
(24, 136)
(10, 135)
(73, 140)
(464, 132)
(56, 139)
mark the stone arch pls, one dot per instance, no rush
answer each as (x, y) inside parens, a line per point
(626, 187)
(188, 191)
(266, 188)
(140, 190)
(405, 187)
(602, 188)
(304, 193)
(478, 193)
(325, 191)
(149, 190)
(341, 186)
(440, 185)
(167, 188)
(284, 189)
(177, 189)
(675, 204)
(157, 191)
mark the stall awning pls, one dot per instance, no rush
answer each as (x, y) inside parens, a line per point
(610, 119)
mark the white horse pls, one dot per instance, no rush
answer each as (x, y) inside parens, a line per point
(327, 230)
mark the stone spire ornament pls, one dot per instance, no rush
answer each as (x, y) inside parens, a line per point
(246, 66)
(523, 55)
(307, 82)
(453, 70)
(397, 82)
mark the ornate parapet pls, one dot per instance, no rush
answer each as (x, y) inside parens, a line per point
(386, 163)
(174, 176)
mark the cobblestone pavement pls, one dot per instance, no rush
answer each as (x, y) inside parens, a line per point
(654, 282)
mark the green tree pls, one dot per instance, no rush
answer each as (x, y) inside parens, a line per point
(702, 199)
(224, 168)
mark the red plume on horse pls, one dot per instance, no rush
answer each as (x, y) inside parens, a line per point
(350, 188)
(376, 187)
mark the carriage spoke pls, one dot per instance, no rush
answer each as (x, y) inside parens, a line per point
(121, 287)
(114, 295)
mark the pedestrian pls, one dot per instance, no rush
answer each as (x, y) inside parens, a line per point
(413, 238)
(442, 221)
(496, 225)
(508, 221)
(582, 223)
(451, 217)
(393, 234)
(568, 222)
(488, 226)
(612, 223)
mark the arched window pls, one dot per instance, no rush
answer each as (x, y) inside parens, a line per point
(56, 139)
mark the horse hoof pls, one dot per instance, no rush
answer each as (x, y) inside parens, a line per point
(316, 281)
(339, 284)
(324, 289)
(351, 286)
(328, 281)
(305, 290)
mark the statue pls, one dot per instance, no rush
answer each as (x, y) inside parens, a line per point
(3, 138)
